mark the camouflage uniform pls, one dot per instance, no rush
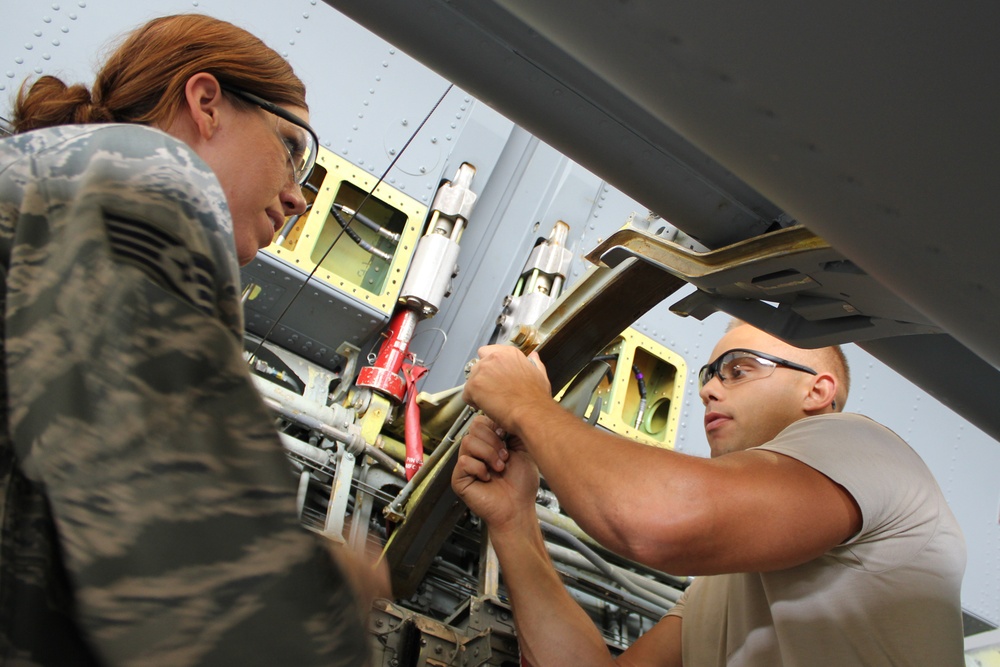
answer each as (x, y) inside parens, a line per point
(148, 512)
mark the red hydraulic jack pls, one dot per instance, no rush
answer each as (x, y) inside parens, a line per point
(384, 378)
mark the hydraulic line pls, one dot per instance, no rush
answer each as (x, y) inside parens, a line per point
(414, 439)
(270, 365)
(322, 457)
(369, 223)
(607, 592)
(353, 235)
(323, 460)
(385, 461)
(392, 447)
(350, 437)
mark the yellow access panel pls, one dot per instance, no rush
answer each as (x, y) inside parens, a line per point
(641, 365)
(374, 278)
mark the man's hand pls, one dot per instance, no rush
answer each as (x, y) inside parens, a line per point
(497, 480)
(504, 381)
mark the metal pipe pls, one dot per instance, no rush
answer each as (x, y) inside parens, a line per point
(287, 228)
(335, 415)
(323, 457)
(385, 461)
(392, 447)
(585, 598)
(351, 439)
(300, 496)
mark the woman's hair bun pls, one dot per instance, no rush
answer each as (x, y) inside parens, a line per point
(49, 101)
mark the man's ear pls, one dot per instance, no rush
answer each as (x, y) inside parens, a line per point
(822, 393)
(202, 99)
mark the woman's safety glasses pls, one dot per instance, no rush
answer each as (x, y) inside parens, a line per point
(299, 139)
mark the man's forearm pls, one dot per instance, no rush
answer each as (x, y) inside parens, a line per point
(552, 628)
(587, 468)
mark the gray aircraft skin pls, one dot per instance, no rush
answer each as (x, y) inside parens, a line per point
(873, 126)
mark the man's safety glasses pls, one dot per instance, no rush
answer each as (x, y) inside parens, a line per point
(299, 139)
(736, 366)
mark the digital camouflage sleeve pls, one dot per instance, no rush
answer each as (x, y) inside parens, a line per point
(148, 510)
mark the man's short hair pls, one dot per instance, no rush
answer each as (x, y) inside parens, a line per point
(835, 357)
(843, 372)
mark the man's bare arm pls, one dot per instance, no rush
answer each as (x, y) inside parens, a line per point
(678, 513)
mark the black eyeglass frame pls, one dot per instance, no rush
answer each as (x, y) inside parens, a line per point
(711, 370)
(286, 115)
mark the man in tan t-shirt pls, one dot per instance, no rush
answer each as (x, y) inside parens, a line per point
(827, 537)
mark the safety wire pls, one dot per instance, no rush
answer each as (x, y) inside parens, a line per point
(253, 355)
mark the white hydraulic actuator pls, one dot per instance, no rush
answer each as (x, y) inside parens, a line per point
(435, 261)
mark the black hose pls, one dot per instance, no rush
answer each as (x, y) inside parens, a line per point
(371, 224)
(353, 235)
(287, 229)
(640, 381)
